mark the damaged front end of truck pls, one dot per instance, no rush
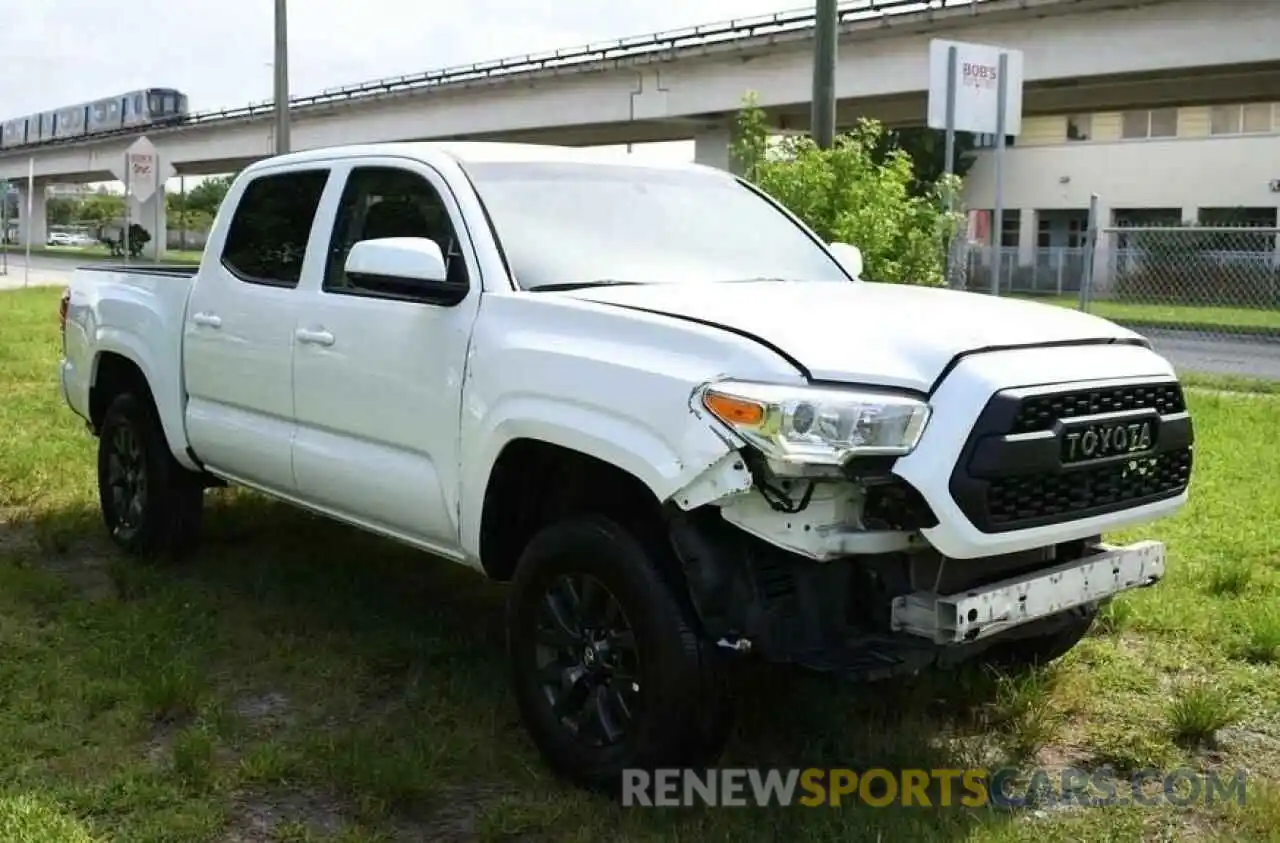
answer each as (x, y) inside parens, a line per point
(802, 545)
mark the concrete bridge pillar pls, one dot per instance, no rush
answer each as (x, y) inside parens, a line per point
(151, 216)
(34, 225)
(713, 147)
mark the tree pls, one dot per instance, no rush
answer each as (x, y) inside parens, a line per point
(207, 196)
(62, 210)
(861, 191)
(928, 150)
(102, 208)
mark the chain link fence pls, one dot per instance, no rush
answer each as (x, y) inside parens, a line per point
(1220, 283)
(1208, 296)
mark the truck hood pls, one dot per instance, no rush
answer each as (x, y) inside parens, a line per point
(866, 332)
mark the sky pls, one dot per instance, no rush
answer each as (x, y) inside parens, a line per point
(63, 52)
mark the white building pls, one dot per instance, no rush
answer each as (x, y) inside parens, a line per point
(1205, 163)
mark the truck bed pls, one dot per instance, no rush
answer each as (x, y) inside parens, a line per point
(176, 270)
(135, 311)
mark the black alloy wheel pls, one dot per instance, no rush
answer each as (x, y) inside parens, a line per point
(151, 505)
(608, 669)
(588, 659)
(126, 480)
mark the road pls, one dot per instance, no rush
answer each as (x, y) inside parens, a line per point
(1192, 352)
(44, 271)
(1188, 351)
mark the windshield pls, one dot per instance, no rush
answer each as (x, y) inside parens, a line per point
(567, 224)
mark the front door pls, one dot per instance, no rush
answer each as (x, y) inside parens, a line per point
(238, 340)
(378, 377)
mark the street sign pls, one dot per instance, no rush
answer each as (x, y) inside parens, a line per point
(976, 86)
(142, 169)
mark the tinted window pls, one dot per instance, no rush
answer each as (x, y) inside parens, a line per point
(267, 239)
(575, 223)
(389, 202)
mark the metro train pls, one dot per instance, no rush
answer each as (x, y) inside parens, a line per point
(147, 107)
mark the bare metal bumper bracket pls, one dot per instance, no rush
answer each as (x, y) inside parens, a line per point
(981, 612)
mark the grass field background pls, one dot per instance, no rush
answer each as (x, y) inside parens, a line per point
(1188, 317)
(300, 681)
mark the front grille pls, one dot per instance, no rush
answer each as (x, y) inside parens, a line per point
(1012, 475)
(1040, 412)
(1041, 496)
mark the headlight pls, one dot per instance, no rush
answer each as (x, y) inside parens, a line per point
(817, 426)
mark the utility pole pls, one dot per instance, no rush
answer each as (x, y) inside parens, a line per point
(281, 68)
(826, 30)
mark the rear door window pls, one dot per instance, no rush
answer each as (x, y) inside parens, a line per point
(267, 238)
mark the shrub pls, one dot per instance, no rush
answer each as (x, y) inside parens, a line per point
(845, 194)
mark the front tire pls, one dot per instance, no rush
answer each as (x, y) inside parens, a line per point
(151, 505)
(608, 670)
(1035, 651)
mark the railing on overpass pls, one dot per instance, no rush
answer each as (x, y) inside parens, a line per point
(635, 47)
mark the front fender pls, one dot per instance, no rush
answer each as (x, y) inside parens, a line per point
(663, 463)
(605, 381)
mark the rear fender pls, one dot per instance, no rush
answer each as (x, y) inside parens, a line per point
(164, 394)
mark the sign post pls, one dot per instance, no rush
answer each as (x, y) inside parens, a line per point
(4, 227)
(1002, 118)
(143, 177)
(128, 213)
(976, 88)
(31, 198)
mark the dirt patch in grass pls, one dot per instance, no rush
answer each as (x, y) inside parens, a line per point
(266, 818)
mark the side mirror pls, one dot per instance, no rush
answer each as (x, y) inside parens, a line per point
(403, 267)
(850, 257)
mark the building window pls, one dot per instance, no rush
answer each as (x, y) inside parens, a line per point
(1062, 229)
(1150, 123)
(988, 141)
(1250, 118)
(1011, 224)
(1079, 126)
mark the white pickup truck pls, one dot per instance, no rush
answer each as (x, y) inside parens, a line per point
(682, 427)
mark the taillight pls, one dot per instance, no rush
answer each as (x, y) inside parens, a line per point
(63, 304)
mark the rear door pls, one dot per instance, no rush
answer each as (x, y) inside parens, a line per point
(238, 340)
(378, 375)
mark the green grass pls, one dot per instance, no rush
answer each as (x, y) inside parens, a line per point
(1248, 320)
(1231, 383)
(191, 256)
(300, 681)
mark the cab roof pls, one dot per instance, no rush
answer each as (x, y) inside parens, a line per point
(477, 152)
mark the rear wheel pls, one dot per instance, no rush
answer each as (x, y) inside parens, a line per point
(151, 505)
(608, 671)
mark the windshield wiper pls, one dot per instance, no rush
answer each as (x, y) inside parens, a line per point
(582, 285)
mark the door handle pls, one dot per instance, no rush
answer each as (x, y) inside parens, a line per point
(314, 337)
(207, 319)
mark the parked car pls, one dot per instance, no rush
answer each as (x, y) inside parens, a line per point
(648, 397)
